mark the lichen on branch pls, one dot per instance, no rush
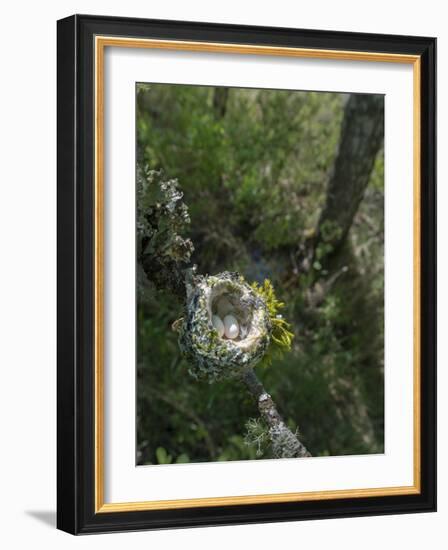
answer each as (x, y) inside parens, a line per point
(259, 332)
(162, 218)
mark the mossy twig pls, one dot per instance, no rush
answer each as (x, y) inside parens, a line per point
(285, 444)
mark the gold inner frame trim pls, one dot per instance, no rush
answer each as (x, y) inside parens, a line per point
(101, 42)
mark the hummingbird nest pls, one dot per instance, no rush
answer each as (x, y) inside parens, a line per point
(226, 330)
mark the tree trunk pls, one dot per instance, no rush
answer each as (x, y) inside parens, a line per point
(361, 138)
(220, 97)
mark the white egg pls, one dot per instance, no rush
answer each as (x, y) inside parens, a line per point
(231, 328)
(219, 325)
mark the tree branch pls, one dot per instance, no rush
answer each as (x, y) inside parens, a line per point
(164, 257)
(285, 444)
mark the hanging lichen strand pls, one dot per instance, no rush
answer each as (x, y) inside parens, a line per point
(228, 326)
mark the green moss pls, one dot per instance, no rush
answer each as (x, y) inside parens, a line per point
(281, 336)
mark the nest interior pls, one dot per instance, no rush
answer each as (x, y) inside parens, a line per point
(224, 302)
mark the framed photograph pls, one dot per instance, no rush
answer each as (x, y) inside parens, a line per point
(246, 274)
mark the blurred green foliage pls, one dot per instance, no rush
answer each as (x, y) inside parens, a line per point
(253, 166)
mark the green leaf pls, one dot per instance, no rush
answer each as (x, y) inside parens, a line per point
(182, 459)
(162, 456)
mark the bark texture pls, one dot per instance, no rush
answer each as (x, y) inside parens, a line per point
(362, 136)
(285, 444)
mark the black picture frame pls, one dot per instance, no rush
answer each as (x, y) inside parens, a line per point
(76, 273)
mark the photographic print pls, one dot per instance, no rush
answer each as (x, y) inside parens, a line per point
(260, 274)
(246, 274)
